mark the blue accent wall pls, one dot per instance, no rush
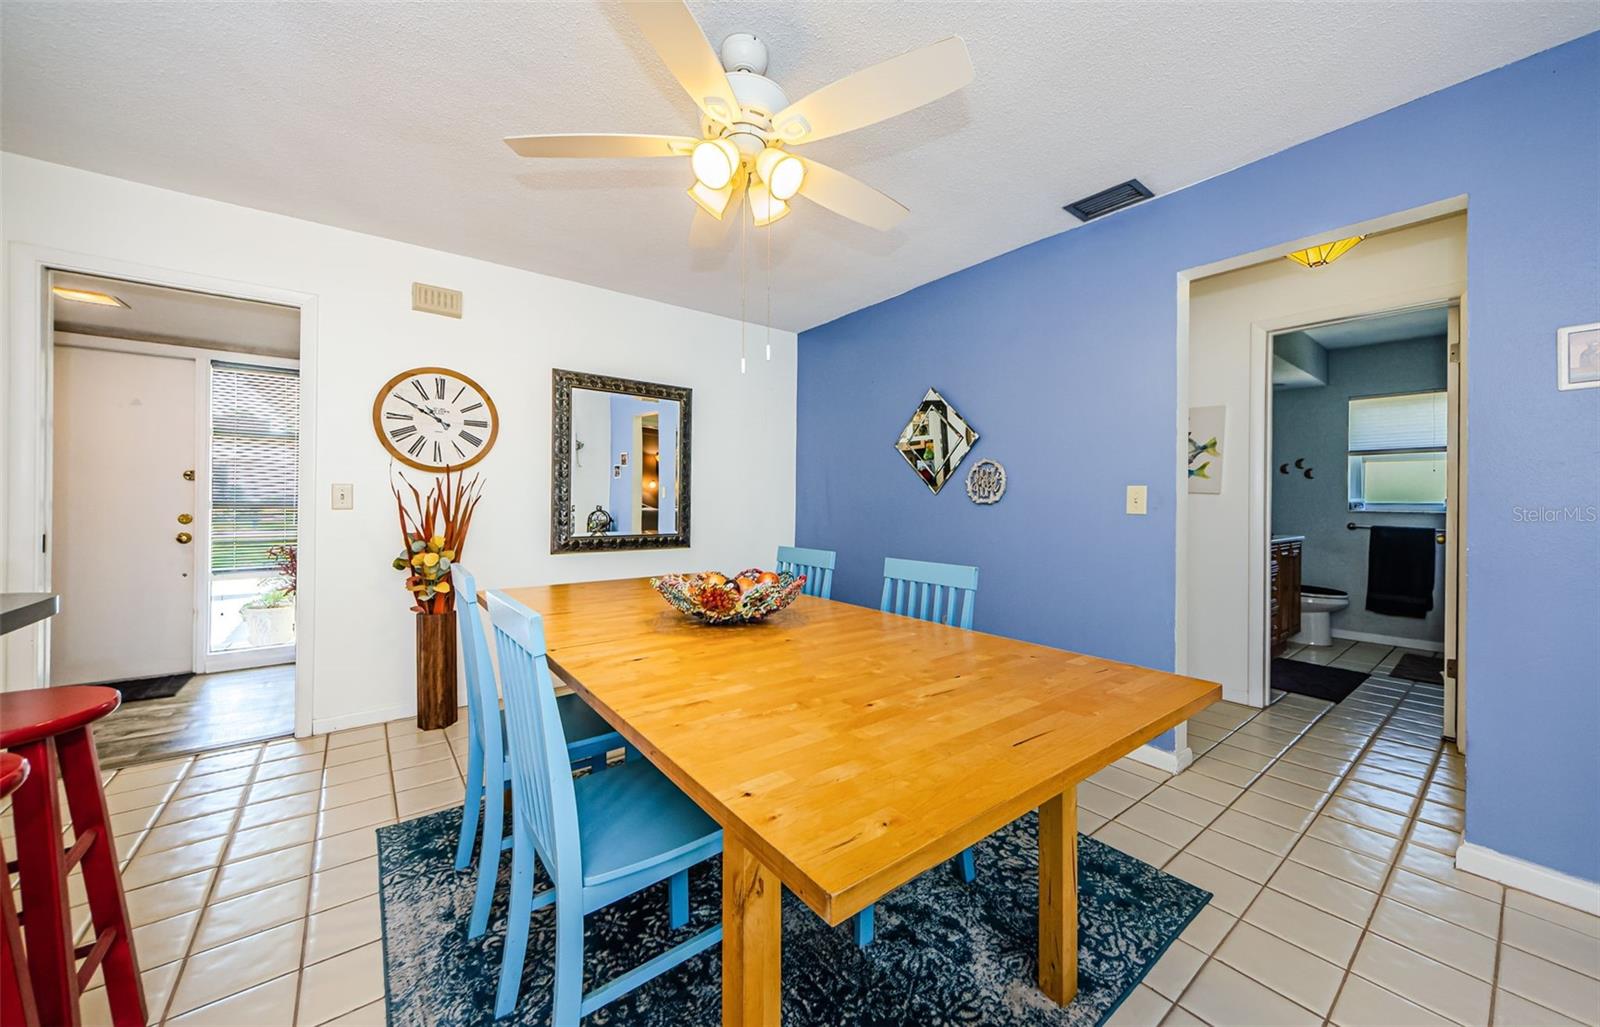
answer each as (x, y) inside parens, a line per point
(1061, 354)
(1313, 424)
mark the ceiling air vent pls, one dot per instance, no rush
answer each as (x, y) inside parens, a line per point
(435, 299)
(1107, 200)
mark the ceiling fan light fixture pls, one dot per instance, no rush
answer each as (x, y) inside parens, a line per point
(712, 201)
(714, 161)
(782, 172)
(764, 207)
(1326, 253)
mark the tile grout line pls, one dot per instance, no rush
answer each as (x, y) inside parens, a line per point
(1259, 774)
(1265, 886)
(311, 882)
(211, 885)
(1383, 888)
(1212, 955)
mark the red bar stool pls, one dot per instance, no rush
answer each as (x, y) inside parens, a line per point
(49, 727)
(16, 994)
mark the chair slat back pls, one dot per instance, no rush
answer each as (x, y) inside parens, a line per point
(815, 564)
(942, 592)
(541, 777)
(483, 698)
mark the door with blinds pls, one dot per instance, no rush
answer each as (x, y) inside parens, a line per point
(254, 459)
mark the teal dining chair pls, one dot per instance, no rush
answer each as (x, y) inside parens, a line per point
(588, 737)
(601, 837)
(815, 564)
(946, 593)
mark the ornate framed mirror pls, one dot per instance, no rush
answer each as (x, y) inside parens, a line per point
(619, 464)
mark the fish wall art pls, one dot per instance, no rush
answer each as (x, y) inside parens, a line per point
(1206, 426)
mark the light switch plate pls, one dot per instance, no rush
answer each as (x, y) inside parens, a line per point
(1136, 499)
(344, 497)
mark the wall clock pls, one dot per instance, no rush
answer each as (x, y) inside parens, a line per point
(433, 419)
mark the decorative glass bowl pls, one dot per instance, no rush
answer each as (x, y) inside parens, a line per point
(716, 598)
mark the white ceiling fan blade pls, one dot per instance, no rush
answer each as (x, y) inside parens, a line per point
(873, 94)
(850, 197)
(601, 145)
(676, 36)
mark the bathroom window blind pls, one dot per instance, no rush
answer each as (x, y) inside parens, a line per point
(255, 463)
(1398, 452)
(1388, 424)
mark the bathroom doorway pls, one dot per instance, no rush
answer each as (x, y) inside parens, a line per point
(1406, 262)
(1363, 458)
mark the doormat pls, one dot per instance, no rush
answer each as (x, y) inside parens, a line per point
(1328, 683)
(164, 686)
(1416, 667)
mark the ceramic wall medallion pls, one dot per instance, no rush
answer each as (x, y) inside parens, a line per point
(935, 440)
(986, 482)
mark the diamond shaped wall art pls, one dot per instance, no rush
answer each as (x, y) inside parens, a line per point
(935, 440)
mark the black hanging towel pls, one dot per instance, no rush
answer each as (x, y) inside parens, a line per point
(1400, 571)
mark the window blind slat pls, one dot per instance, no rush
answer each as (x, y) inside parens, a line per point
(255, 463)
(1412, 421)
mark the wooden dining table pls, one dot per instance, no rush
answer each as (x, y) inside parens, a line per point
(844, 751)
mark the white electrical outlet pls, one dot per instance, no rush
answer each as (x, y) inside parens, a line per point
(1136, 499)
(344, 497)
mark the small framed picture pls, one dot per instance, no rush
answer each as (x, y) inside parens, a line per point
(623, 459)
(1578, 357)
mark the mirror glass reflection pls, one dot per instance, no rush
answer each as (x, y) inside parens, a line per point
(625, 466)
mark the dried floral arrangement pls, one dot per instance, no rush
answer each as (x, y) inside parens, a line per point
(433, 533)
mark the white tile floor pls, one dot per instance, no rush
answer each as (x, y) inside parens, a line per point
(1324, 832)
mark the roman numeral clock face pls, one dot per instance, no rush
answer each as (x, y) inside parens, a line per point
(432, 418)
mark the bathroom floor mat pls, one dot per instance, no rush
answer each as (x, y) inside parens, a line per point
(1413, 667)
(1331, 684)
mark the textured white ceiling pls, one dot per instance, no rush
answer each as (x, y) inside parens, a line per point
(158, 314)
(387, 118)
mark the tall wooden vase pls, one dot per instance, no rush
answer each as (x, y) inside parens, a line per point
(436, 670)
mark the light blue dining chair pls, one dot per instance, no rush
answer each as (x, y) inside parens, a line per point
(946, 593)
(601, 837)
(588, 736)
(815, 564)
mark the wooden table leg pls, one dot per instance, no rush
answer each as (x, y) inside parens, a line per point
(752, 935)
(1058, 897)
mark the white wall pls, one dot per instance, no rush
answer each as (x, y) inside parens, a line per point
(518, 325)
(591, 470)
(1226, 315)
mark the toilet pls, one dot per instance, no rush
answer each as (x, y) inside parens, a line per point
(1317, 604)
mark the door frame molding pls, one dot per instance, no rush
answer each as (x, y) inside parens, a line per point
(205, 661)
(1184, 278)
(28, 378)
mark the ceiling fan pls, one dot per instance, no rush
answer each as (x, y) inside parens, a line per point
(748, 125)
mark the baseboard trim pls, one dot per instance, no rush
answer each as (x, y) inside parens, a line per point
(1408, 643)
(1173, 761)
(1530, 877)
(324, 725)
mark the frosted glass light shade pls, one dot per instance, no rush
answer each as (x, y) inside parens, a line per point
(712, 201)
(783, 172)
(764, 207)
(714, 161)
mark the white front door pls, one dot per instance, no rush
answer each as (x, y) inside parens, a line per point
(1455, 698)
(124, 437)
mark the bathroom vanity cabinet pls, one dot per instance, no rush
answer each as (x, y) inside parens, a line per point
(1285, 593)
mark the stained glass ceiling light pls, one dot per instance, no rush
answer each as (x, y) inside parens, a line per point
(1325, 254)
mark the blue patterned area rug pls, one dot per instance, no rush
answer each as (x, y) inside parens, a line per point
(945, 952)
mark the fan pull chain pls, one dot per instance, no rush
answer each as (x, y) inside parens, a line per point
(770, 288)
(744, 269)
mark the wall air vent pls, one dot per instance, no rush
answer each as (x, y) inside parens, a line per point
(435, 299)
(1107, 200)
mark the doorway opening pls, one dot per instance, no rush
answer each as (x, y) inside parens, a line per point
(173, 531)
(1363, 458)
